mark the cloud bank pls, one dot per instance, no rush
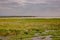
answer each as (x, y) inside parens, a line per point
(30, 7)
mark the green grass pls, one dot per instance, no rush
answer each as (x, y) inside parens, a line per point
(25, 29)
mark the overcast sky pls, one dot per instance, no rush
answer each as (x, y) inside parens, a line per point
(29, 7)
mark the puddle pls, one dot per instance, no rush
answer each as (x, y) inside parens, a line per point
(42, 38)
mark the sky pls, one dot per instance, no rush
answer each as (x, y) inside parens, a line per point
(29, 7)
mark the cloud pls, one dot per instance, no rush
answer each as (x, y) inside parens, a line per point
(30, 7)
(25, 2)
(36, 1)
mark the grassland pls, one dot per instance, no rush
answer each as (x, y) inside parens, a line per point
(25, 29)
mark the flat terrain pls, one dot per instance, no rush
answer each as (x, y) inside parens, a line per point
(30, 29)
